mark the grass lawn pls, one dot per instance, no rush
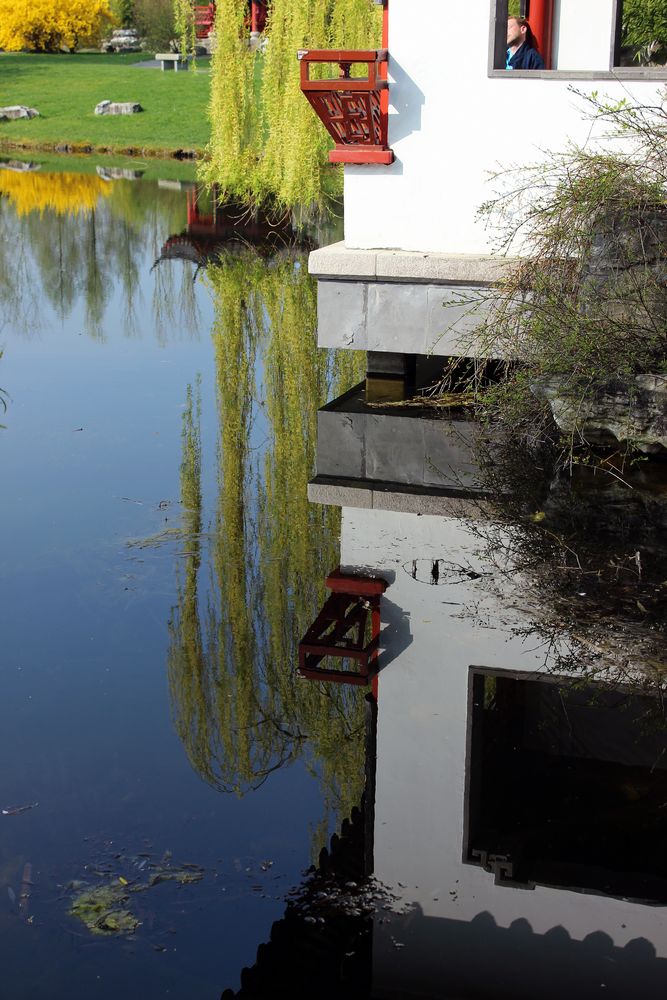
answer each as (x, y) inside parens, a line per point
(66, 88)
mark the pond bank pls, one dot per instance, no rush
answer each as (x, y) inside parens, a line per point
(85, 149)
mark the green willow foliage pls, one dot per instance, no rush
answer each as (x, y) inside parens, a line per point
(239, 709)
(184, 23)
(267, 144)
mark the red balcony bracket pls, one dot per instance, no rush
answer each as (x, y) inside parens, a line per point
(354, 110)
(340, 630)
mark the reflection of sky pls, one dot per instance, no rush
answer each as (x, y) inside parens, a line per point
(92, 448)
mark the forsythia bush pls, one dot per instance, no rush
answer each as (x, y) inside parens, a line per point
(49, 25)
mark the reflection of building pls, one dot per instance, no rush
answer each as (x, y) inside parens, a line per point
(518, 817)
(212, 227)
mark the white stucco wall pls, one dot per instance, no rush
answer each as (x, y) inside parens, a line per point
(421, 770)
(451, 125)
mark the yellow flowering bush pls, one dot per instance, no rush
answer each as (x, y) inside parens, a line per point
(50, 25)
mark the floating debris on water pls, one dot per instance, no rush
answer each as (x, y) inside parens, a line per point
(17, 810)
(24, 895)
(106, 908)
(102, 910)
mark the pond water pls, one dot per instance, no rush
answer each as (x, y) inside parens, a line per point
(159, 560)
(498, 803)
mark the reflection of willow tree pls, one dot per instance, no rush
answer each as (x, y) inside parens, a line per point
(239, 709)
(78, 237)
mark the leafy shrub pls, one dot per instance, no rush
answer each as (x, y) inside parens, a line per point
(586, 312)
(51, 25)
(123, 11)
(155, 20)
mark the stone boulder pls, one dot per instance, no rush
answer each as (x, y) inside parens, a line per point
(636, 414)
(122, 40)
(17, 111)
(115, 108)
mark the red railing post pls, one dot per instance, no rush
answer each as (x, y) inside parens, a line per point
(541, 17)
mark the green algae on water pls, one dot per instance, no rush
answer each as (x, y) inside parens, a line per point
(101, 910)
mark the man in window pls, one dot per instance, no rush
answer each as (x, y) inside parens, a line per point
(521, 46)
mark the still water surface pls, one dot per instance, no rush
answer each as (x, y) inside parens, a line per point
(158, 561)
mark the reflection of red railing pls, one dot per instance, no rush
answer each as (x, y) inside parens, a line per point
(340, 630)
(351, 108)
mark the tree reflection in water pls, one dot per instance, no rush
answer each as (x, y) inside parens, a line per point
(66, 237)
(238, 707)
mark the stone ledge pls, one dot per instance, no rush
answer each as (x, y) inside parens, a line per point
(331, 494)
(340, 262)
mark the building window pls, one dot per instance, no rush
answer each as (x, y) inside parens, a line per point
(620, 37)
(641, 33)
(540, 14)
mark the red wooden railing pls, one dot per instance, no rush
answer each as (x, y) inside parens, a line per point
(354, 110)
(339, 630)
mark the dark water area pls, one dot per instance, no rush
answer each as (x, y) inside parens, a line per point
(182, 812)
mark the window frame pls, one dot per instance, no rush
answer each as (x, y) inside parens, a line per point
(498, 48)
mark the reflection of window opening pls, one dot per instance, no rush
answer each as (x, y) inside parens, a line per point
(641, 33)
(566, 786)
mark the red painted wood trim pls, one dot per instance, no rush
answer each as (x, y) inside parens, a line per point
(541, 19)
(342, 55)
(340, 84)
(348, 583)
(384, 68)
(359, 154)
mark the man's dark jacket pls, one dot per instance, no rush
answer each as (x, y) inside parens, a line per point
(526, 58)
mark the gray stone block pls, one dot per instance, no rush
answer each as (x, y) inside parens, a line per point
(394, 449)
(397, 317)
(340, 444)
(449, 454)
(341, 314)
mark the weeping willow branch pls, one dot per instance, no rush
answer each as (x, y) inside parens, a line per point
(266, 142)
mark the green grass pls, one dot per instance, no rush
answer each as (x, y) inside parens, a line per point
(66, 88)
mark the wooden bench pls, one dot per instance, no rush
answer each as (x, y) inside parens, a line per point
(175, 59)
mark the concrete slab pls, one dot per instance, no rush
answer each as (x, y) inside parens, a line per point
(339, 496)
(339, 261)
(335, 261)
